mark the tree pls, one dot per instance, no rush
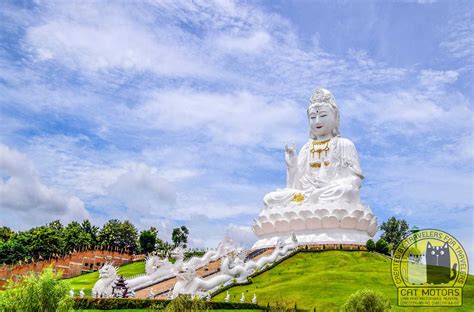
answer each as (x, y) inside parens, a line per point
(16, 248)
(109, 234)
(45, 292)
(75, 237)
(370, 245)
(5, 233)
(367, 300)
(164, 248)
(92, 230)
(180, 235)
(129, 237)
(394, 230)
(46, 240)
(122, 236)
(148, 240)
(382, 247)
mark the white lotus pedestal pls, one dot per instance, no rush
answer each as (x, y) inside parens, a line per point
(328, 223)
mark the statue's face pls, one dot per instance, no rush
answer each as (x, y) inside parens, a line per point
(322, 120)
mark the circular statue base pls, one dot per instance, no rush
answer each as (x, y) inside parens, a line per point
(328, 223)
(308, 237)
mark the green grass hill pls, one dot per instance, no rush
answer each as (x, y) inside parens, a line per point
(311, 279)
(326, 279)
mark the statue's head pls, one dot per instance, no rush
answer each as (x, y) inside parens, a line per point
(108, 271)
(323, 114)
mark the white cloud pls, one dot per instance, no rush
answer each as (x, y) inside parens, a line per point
(241, 234)
(410, 111)
(418, 185)
(213, 210)
(240, 118)
(95, 37)
(434, 79)
(25, 200)
(253, 43)
(144, 191)
(459, 38)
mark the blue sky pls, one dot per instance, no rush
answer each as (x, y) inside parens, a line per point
(170, 113)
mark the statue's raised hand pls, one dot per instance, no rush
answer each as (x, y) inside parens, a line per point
(290, 156)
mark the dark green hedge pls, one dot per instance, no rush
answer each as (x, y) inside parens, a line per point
(115, 303)
(121, 303)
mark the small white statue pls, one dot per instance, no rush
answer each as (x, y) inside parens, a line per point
(81, 293)
(227, 297)
(71, 293)
(254, 299)
(107, 276)
(242, 299)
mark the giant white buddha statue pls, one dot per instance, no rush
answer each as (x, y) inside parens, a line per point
(321, 202)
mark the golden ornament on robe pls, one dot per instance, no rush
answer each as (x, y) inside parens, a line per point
(298, 198)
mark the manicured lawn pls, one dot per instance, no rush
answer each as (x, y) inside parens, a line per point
(326, 279)
(88, 280)
(135, 310)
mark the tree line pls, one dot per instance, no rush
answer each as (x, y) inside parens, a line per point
(55, 240)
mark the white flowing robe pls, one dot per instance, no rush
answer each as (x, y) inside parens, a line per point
(343, 175)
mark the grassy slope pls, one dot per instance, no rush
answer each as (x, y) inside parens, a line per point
(88, 280)
(326, 279)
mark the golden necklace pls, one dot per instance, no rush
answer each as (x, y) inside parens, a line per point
(322, 146)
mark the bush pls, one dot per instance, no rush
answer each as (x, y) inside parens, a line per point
(185, 303)
(382, 246)
(370, 245)
(116, 303)
(367, 300)
(43, 292)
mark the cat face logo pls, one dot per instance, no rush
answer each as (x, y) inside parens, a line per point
(429, 268)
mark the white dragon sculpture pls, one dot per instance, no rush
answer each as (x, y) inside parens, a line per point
(232, 267)
(157, 269)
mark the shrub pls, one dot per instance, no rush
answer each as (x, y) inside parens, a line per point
(382, 246)
(281, 306)
(186, 303)
(370, 245)
(117, 303)
(43, 292)
(367, 300)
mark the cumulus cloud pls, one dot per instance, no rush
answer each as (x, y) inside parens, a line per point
(26, 200)
(144, 191)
